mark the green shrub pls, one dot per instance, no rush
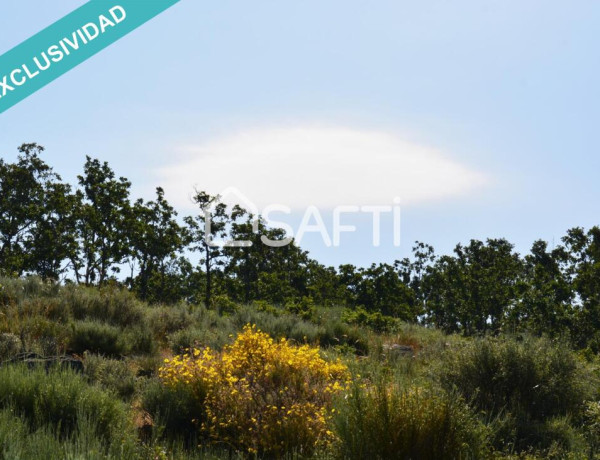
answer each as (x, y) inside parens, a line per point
(167, 320)
(305, 308)
(43, 335)
(112, 374)
(139, 340)
(19, 441)
(533, 377)
(337, 333)
(10, 345)
(111, 305)
(61, 399)
(266, 307)
(16, 290)
(386, 421)
(97, 337)
(223, 305)
(374, 320)
(525, 384)
(198, 338)
(173, 410)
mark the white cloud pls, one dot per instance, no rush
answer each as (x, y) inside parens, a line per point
(321, 166)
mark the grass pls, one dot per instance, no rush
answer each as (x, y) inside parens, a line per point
(417, 393)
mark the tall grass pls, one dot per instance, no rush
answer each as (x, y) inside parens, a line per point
(391, 422)
(524, 385)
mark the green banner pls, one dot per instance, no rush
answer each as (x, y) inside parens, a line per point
(68, 42)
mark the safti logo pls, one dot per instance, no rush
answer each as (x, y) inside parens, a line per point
(68, 42)
(312, 221)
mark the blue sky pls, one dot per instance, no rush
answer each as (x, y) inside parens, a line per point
(483, 114)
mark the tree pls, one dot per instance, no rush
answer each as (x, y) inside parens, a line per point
(104, 221)
(205, 230)
(475, 289)
(415, 274)
(545, 305)
(33, 208)
(582, 268)
(156, 238)
(381, 289)
(52, 239)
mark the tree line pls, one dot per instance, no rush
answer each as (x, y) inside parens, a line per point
(94, 233)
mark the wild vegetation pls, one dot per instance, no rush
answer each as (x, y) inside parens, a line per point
(124, 334)
(184, 381)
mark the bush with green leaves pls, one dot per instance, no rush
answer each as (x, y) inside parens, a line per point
(374, 320)
(97, 337)
(112, 305)
(523, 383)
(112, 374)
(387, 421)
(61, 399)
(223, 304)
(18, 440)
(173, 411)
(305, 308)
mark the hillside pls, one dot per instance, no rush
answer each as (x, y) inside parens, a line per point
(159, 381)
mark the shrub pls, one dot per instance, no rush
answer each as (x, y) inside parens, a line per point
(61, 399)
(266, 307)
(260, 396)
(174, 410)
(198, 337)
(10, 345)
(337, 333)
(373, 320)
(531, 376)
(223, 304)
(96, 337)
(114, 375)
(386, 421)
(19, 441)
(305, 308)
(525, 383)
(139, 340)
(115, 306)
(167, 320)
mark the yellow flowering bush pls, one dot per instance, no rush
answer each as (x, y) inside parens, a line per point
(260, 395)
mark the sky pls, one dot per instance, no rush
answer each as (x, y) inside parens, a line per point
(481, 117)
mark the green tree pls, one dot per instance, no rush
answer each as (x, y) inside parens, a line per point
(476, 289)
(205, 230)
(33, 210)
(380, 289)
(582, 268)
(156, 238)
(104, 222)
(545, 305)
(271, 267)
(53, 242)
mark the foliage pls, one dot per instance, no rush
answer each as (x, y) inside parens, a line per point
(524, 383)
(375, 320)
(112, 374)
(305, 308)
(96, 337)
(260, 396)
(530, 397)
(61, 399)
(88, 233)
(388, 421)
